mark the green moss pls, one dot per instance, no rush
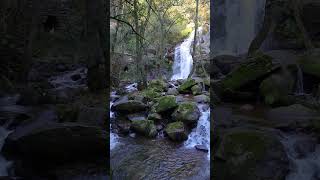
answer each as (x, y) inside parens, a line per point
(176, 131)
(165, 103)
(145, 127)
(254, 68)
(196, 90)
(187, 85)
(310, 64)
(157, 85)
(151, 93)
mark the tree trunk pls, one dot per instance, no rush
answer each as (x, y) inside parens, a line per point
(195, 40)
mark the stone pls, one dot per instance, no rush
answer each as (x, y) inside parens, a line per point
(201, 148)
(187, 112)
(310, 63)
(196, 90)
(186, 86)
(172, 91)
(145, 127)
(123, 105)
(176, 131)
(202, 98)
(154, 116)
(165, 103)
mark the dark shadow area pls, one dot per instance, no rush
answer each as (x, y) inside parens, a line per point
(265, 80)
(54, 89)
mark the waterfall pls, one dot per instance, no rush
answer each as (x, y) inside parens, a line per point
(113, 136)
(183, 61)
(237, 23)
(201, 134)
(299, 86)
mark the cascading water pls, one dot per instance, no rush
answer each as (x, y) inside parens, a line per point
(241, 21)
(201, 134)
(4, 164)
(306, 167)
(183, 61)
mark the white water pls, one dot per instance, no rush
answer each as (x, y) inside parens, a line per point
(201, 134)
(183, 61)
(301, 168)
(113, 137)
(4, 164)
(242, 22)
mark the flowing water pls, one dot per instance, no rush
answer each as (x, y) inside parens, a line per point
(201, 134)
(239, 22)
(299, 86)
(306, 167)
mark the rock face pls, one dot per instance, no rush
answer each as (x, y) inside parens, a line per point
(187, 112)
(165, 103)
(145, 127)
(52, 144)
(196, 90)
(255, 67)
(186, 86)
(310, 63)
(128, 106)
(252, 154)
(176, 131)
(275, 89)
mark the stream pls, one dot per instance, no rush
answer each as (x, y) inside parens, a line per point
(138, 157)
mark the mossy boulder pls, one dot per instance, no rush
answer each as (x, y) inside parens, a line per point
(202, 98)
(253, 68)
(176, 131)
(186, 86)
(154, 116)
(145, 127)
(164, 104)
(158, 85)
(172, 91)
(275, 89)
(310, 63)
(196, 89)
(124, 105)
(252, 154)
(187, 112)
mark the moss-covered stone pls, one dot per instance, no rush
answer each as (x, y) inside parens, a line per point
(247, 152)
(164, 104)
(275, 89)
(310, 63)
(145, 127)
(196, 89)
(187, 112)
(186, 86)
(176, 131)
(255, 67)
(158, 85)
(154, 116)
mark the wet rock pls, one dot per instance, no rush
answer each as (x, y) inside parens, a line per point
(202, 99)
(201, 148)
(47, 145)
(253, 154)
(158, 84)
(172, 91)
(187, 112)
(253, 68)
(176, 131)
(304, 146)
(310, 63)
(123, 105)
(145, 127)
(136, 117)
(294, 115)
(196, 90)
(225, 63)
(165, 103)
(186, 86)
(275, 89)
(154, 116)
(123, 125)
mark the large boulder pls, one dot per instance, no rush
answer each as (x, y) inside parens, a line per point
(202, 98)
(176, 131)
(48, 144)
(187, 112)
(145, 127)
(196, 89)
(294, 115)
(186, 86)
(252, 69)
(158, 84)
(172, 91)
(124, 105)
(250, 154)
(275, 89)
(310, 63)
(164, 104)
